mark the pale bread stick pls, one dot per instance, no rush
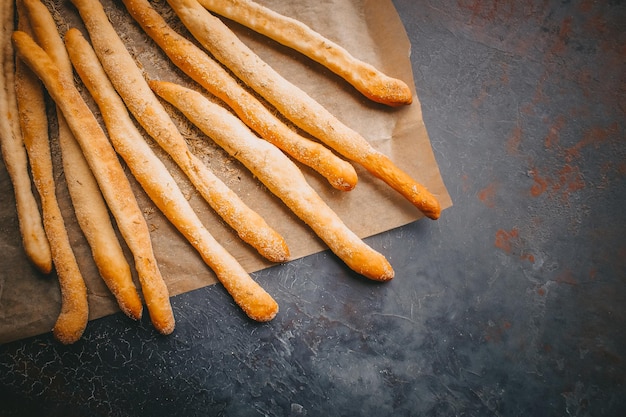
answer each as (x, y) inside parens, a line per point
(34, 240)
(296, 105)
(294, 34)
(279, 174)
(209, 74)
(150, 113)
(74, 315)
(109, 174)
(159, 184)
(91, 210)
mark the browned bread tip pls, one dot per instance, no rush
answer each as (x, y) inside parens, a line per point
(290, 32)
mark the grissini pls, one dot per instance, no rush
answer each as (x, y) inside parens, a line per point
(210, 75)
(110, 176)
(34, 240)
(279, 174)
(150, 113)
(296, 105)
(294, 34)
(159, 184)
(74, 314)
(89, 205)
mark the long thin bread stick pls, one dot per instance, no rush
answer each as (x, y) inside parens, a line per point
(159, 184)
(150, 113)
(281, 176)
(292, 33)
(109, 174)
(34, 240)
(296, 105)
(74, 314)
(89, 205)
(209, 74)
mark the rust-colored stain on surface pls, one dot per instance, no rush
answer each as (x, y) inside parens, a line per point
(565, 176)
(568, 180)
(586, 5)
(482, 9)
(570, 142)
(596, 136)
(514, 140)
(487, 195)
(561, 183)
(565, 32)
(510, 242)
(551, 140)
(467, 184)
(566, 277)
(502, 10)
(504, 239)
(540, 183)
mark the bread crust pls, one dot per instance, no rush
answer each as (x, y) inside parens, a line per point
(110, 176)
(149, 112)
(280, 175)
(210, 75)
(74, 314)
(34, 240)
(91, 210)
(294, 34)
(155, 179)
(296, 105)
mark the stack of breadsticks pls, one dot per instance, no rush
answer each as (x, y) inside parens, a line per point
(231, 108)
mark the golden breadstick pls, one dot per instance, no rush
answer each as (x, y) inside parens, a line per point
(89, 205)
(34, 123)
(36, 245)
(109, 174)
(296, 105)
(150, 113)
(209, 74)
(290, 32)
(159, 184)
(279, 174)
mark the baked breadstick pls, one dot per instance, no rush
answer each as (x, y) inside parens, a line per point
(159, 184)
(109, 174)
(209, 74)
(150, 113)
(74, 314)
(294, 34)
(89, 205)
(296, 105)
(281, 176)
(34, 241)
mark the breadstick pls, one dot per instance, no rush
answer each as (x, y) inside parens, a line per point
(159, 184)
(34, 241)
(74, 314)
(89, 205)
(209, 74)
(294, 34)
(150, 113)
(279, 174)
(110, 176)
(296, 105)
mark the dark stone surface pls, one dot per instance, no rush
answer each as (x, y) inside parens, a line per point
(512, 304)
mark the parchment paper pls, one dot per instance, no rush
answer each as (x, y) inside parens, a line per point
(370, 29)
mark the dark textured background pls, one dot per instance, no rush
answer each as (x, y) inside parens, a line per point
(512, 304)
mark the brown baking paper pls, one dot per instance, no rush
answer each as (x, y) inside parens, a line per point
(371, 30)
